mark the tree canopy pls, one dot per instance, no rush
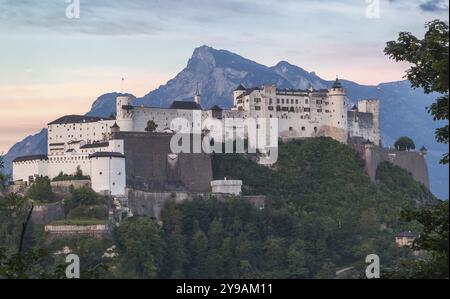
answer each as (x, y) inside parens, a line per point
(405, 143)
(429, 69)
(41, 190)
(151, 126)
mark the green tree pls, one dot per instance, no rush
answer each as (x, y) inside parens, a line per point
(199, 252)
(433, 240)
(3, 177)
(151, 126)
(429, 68)
(85, 203)
(79, 174)
(41, 190)
(141, 248)
(405, 143)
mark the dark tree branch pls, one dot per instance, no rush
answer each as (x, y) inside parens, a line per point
(24, 228)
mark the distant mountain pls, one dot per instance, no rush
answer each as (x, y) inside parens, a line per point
(218, 72)
(31, 145)
(105, 105)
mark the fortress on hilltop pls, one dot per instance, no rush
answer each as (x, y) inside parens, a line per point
(120, 153)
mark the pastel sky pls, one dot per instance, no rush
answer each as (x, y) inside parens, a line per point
(51, 65)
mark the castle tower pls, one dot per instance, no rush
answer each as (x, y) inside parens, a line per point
(108, 172)
(338, 101)
(237, 92)
(124, 113)
(198, 97)
(372, 106)
(424, 151)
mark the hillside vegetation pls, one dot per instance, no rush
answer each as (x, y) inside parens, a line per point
(322, 214)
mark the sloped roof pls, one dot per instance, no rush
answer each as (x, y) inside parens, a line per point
(216, 108)
(30, 158)
(107, 155)
(240, 88)
(407, 234)
(95, 145)
(248, 92)
(76, 119)
(337, 84)
(185, 105)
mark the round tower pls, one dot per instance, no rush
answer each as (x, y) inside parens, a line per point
(338, 107)
(108, 172)
(124, 113)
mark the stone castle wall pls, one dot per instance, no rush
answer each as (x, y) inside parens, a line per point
(64, 231)
(44, 214)
(151, 204)
(413, 162)
(151, 166)
(63, 187)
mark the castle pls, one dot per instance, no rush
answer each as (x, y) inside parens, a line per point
(101, 147)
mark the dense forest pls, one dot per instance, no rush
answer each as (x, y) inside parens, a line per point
(322, 214)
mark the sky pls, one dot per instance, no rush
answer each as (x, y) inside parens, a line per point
(58, 56)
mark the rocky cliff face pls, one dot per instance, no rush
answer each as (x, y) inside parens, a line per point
(218, 72)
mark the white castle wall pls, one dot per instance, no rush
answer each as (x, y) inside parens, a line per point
(26, 169)
(227, 187)
(372, 107)
(108, 175)
(66, 163)
(162, 117)
(301, 113)
(88, 132)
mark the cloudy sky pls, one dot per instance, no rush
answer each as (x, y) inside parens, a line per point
(53, 65)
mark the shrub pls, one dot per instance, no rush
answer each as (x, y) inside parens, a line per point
(41, 190)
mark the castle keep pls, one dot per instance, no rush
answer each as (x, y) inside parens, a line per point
(119, 153)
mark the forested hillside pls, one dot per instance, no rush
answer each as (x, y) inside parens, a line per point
(323, 214)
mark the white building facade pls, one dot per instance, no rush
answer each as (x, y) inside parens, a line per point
(74, 142)
(84, 142)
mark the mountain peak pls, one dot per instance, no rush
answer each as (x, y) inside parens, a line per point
(288, 66)
(284, 63)
(202, 50)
